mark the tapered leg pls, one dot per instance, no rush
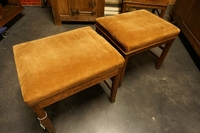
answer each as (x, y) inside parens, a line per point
(43, 118)
(162, 13)
(115, 85)
(153, 11)
(123, 70)
(123, 8)
(163, 54)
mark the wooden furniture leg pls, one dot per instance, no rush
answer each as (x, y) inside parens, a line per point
(56, 16)
(126, 57)
(163, 54)
(45, 123)
(115, 85)
(125, 36)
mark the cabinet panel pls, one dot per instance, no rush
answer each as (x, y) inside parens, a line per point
(62, 6)
(77, 10)
(193, 17)
(11, 9)
(182, 7)
(86, 5)
(80, 8)
(2, 14)
(186, 15)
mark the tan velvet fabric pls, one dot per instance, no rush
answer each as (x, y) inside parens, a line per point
(50, 65)
(138, 29)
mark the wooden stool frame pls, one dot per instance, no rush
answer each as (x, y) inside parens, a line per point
(42, 115)
(126, 55)
(155, 7)
(71, 75)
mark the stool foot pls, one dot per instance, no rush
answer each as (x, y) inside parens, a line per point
(115, 85)
(157, 67)
(112, 101)
(45, 123)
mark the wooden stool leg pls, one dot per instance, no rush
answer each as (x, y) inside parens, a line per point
(44, 120)
(123, 70)
(123, 8)
(115, 85)
(163, 54)
(162, 13)
(153, 11)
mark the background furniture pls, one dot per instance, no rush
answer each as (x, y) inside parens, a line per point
(153, 4)
(9, 11)
(186, 14)
(77, 10)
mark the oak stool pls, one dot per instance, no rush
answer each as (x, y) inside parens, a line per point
(156, 5)
(58, 66)
(137, 31)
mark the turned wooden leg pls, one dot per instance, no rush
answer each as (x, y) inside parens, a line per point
(163, 54)
(43, 119)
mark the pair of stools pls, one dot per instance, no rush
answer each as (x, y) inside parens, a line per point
(58, 66)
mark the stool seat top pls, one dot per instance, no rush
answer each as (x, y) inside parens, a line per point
(53, 64)
(137, 29)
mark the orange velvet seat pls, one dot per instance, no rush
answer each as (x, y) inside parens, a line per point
(134, 32)
(55, 67)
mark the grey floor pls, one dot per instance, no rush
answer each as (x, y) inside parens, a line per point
(149, 100)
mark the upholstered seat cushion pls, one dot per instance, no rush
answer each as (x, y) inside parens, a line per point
(138, 29)
(53, 64)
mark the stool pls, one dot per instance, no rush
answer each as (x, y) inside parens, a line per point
(58, 66)
(134, 32)
(153, 4)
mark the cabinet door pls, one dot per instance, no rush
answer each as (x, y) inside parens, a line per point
(77, 7)
(192, 23)
(181, 8)
(2, 14)
(77, 10)
(62, 6)
(186, 14)
(83, 7)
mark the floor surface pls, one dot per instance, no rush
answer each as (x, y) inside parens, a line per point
(149, 100)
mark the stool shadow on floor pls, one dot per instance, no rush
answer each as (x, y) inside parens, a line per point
(85, 97)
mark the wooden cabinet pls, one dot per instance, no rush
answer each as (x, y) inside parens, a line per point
(77, 10)
(186, 14)
(9, 11)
